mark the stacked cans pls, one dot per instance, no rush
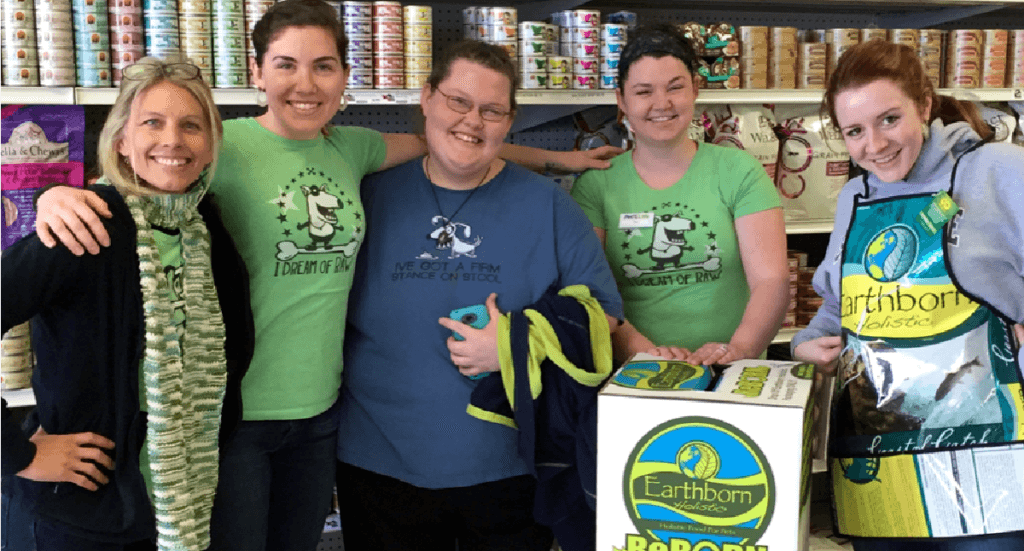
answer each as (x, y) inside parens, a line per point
(811, 65)
(195, 26)
(160, 18)
(1015, 62)
(357, 18)
(254, 11)
(995, 46)
(929, 51)
(613, 40)
(494, 25)
(963, 58)
(838, 41)
(229, 57)
(388, 45)
(536, 66)
(782, 56)
(754, 57)
(20, 54)
(56, 44)
(92, 43)
(419, 44)
(907, 37)
(16, 351)
(874, 33)
(580, 32)
(127, 44)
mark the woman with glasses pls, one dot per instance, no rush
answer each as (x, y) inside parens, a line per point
(455, 228)
(130, 343)
(694, 232)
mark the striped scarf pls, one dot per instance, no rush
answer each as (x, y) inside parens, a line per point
(184, 378)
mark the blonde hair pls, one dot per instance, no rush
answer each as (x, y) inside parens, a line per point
(114, 167)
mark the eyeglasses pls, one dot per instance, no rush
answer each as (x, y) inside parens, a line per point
(180, 71)
(491, 113)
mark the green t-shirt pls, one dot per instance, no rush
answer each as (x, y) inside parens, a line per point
(292, 208)
(674, 251)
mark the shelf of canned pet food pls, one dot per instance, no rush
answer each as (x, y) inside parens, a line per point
(246, 96)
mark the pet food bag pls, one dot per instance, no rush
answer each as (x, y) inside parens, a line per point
(813, 163)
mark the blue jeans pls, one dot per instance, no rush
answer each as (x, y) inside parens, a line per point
(16, 528)
(276, 484)
(1013, 541)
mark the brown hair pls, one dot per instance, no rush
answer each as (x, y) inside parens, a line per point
(298, 13)
(869, 61)
(489, 55)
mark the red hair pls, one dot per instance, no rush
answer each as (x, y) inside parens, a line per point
(869, 61)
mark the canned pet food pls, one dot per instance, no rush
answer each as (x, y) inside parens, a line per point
(501, 16)
(160, 5)
(359, 62)
(389, 79)
(908, 37)
(564, 49)
(194, 23)
(389, 62)
(195, 6)
(234, 7)
(197, 43)
(22, 57)
(57, 76)
(55, 39)
(559, 82)
(418, 47)
(56, 57)
(90, 77)
(19, 38)
(613, 32)
(162, 41)
(123, 59)
(230, 43)
(609, 82)
(610, 65)
(92, 42)
(418, 64)
(586, 18)
(388, 45)
(226, 61)
(559, 65)
(586, 35)
(586, 65)
(533, 63)
(360, 79)
(387, 28)
(416, 79)
(534, 81)
(533, 47)
(54, 20)
(357, 9)
(584, 82)
(417, 15)
(161, 21)
(230, 78)
(586, 50)
(612, 49)
(387, 9)
(533, 30)
(360, 46)
(229, 24)
(511, 47)
(357, 27)
(867, 34)
(419, 32)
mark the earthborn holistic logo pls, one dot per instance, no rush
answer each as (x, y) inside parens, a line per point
(663, 375)
(697, 484)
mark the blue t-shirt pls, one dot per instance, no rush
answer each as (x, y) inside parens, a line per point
(403, 406)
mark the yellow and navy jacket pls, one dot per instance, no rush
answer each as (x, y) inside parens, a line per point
(555, 354)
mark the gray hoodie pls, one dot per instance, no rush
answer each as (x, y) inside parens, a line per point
(986, 252)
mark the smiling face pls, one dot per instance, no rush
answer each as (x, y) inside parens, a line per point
(881, 126)
(167, 138)
(304, 78)
(658, 98)
(463, 145)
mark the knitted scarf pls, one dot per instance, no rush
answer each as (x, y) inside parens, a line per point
(184, 378)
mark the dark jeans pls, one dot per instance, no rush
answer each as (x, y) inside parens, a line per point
(381, 513)
(276, 482)
(51, 537)
(16, 528)
(997, 542)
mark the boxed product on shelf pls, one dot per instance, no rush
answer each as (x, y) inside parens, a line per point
(724, 468)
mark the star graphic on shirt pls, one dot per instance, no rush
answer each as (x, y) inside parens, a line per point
(359, 216)
(282, 218)
(711, 235)
(625, 245)
(627, 257)
(704, 224)
(287, 233)
(349, 201)
(712, 249)
(285, 200)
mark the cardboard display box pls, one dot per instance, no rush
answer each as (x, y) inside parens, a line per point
(726, 469)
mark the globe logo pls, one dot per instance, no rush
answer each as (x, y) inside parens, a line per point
(891, 253)
(698, 460)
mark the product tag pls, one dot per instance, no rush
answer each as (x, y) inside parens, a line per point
(638, 220)
(937, 213)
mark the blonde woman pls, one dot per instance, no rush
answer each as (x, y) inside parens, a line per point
(135, 329)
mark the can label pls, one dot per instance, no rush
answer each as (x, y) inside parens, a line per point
(359, 62)
(501, 16)
(586, 65)
(388, 45)
(161, 21)
(613, 32)
(586, 50)
(357, 9)
(162, 41)
(417, 15)
(58, 57)
(384, 29)
(360, 79)
(360, 46)
(389, 80)
(584, 82)
(586, 18)
(235, 7)
(533, 47)
(560, 65)
(21, 57)
(418, 48)
(230, 79)
(511, 47)
(534, 81)
(160, 5)
(533, 30)
(416, 80)
(610, 65)
(194, 23)
(57, 76)
(419, 32)
(609, 82)
(533, 63)
(387, 9)
(392, 62)
(586, 35)
(418, 64)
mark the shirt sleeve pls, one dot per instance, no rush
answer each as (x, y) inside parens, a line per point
(581, 259)
(589, 196)
(364, 147)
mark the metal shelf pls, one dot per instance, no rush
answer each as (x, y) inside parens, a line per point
(19, 398)
(818, 226)
(246, 96)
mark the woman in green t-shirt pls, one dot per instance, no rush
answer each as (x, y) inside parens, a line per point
(693, 231)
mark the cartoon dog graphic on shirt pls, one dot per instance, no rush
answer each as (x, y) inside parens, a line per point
(455, 237)
(668, 245)
(322, 224)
